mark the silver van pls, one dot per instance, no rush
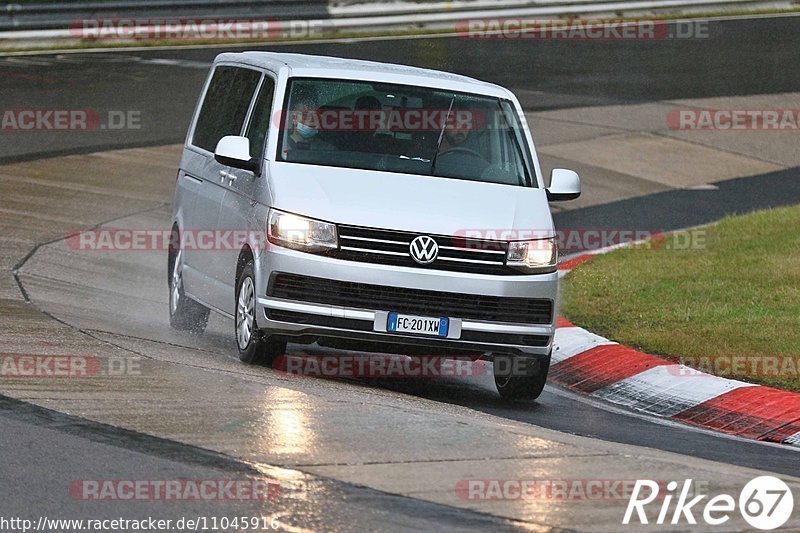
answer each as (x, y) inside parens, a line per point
(368, 205)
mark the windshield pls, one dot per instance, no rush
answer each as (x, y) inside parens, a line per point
(400, 128)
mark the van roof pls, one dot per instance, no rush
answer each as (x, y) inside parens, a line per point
(302, 65)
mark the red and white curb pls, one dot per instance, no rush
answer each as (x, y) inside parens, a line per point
(596, 366)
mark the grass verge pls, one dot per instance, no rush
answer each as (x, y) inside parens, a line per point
(724, 299)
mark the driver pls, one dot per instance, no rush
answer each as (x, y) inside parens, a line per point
(459, 154)
(465, 128)
(456, 130)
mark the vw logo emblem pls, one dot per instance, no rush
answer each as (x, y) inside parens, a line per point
(424, 250)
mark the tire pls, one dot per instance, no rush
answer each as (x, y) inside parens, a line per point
(184, 313)
(254, 346)
(520, 378)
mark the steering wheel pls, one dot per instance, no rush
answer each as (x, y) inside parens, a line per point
(462, 150)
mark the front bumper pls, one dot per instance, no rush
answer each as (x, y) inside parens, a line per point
(310, 321)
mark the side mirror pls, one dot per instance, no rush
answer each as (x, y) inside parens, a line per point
(234, 151)
(564, 185)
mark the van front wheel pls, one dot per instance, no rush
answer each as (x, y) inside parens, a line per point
(520, 378)
(254, 346)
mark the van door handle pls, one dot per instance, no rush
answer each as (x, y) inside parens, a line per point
(227, 176)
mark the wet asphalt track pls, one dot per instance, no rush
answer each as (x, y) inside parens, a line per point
(739, 58)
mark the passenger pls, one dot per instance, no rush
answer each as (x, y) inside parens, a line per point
(304, 127)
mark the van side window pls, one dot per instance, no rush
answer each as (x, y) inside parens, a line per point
(259, 123)
(225, 105)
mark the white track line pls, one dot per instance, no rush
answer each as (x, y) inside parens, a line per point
(569, 342)
(667, 390)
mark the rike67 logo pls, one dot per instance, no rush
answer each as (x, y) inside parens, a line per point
(765, 503)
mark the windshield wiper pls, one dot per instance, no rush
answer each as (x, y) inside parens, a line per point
(441, 135)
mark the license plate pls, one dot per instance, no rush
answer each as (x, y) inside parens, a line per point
(422, 325)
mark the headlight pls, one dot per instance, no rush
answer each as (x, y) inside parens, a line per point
(300, 233)
(540, 255)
